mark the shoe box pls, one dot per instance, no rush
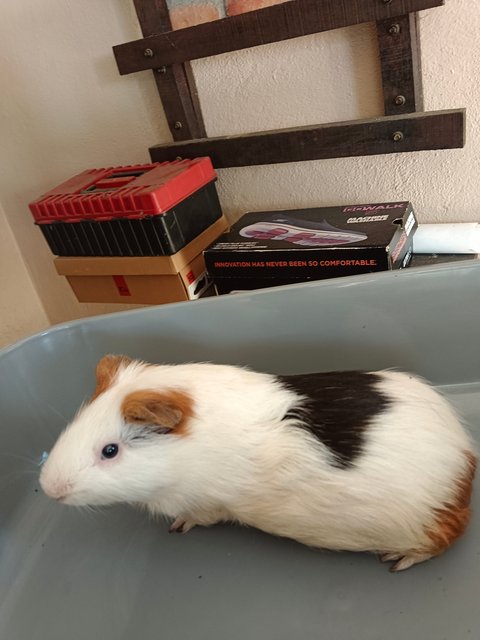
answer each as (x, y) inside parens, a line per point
(270, 248)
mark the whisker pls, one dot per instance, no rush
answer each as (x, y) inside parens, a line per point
(56, 412)
(16, 456)
(90, 511)
(11, 478)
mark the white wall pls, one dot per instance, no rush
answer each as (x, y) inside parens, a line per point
(21, 312)
(64, 108)
(333, 77)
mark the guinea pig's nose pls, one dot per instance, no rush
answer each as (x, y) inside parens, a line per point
(57, 490)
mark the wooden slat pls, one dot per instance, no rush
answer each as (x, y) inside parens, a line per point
(175, 84)
(400, 63)
(417, 132)
(271, 24)
(153, 16)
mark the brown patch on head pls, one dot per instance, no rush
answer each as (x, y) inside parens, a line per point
(452, 520)
(164, 411)
(106, 371)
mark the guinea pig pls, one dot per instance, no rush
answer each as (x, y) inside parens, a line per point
(357, 461)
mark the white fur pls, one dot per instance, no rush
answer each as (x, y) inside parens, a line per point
(239, 460)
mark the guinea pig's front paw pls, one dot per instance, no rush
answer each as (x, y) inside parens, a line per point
(181, 525)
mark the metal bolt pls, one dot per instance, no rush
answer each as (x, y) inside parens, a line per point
(148, 53)
(397, 136)
(178, 125)
(399, 101)
(394, 29)
(162, 69)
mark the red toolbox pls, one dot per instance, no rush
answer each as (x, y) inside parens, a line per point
(140, 210)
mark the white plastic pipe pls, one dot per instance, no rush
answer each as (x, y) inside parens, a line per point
(447, 238)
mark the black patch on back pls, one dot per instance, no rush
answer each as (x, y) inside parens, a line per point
(337, 408)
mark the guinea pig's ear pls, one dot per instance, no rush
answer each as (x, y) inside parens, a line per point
(162, 411)
(106, 370)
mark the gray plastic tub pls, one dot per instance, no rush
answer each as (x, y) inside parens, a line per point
(114, 574)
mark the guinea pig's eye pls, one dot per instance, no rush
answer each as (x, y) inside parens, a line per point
(110, 451)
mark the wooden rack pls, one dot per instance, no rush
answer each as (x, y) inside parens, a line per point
(404, 127)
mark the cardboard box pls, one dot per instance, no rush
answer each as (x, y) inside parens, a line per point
(142, 280)
(269, 248)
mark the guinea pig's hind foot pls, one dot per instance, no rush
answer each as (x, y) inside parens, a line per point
(404, 560)
(181, 525)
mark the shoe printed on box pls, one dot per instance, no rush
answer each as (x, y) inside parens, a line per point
(301, 232)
